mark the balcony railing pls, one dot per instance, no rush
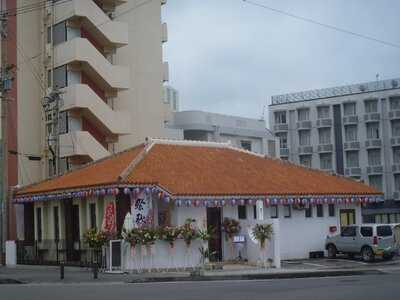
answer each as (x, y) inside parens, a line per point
(350, 120)
(354, 171)
(373, 143)
(284, 152)
(372, 117)
(394, 114)
(304, 125)
(374, 170)
(351, 146)
(324, 123)
(325, 148)
(305, 149)
(281, 127)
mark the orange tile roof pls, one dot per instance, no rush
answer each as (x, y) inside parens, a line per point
(190, 169)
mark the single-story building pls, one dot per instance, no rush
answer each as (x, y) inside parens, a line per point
(164, 182)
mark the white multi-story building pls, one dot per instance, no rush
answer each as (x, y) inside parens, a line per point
(350, 130)
(249, 134)
(103, 61)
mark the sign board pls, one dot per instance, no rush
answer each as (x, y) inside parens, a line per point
(239, 239)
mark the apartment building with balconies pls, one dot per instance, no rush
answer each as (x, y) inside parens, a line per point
(350, 130)
(99, 64)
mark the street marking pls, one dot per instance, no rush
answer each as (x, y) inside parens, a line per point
(315, 265)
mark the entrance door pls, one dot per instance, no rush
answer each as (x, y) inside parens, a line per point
(123, 206)
(347, 217)
(72, 233)
(29, 224)
(214, 221)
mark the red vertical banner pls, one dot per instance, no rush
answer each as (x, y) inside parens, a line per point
(109, 220)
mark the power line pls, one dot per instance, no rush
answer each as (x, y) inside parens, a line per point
(332, 27)
(12, 12)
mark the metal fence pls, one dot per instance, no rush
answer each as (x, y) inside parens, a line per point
(56, 252)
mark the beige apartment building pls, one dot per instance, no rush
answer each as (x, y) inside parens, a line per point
(89, 82)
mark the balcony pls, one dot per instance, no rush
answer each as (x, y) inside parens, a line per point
(394, 114)
(352, 171)
(325, 148)
(281, 127)
(350, 120)
(324, 123)
(374, 170)
(373, 143)
(395, 141)
(83, 144)
(396, 168)
(112, 2)
(80, 97)
(284, 152)
(81, 52)
(305, 150)
(396, 195)
(107, 32)
(372, 117)
(304, 125)
(348, 146)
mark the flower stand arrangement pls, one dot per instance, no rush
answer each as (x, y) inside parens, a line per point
(263, 233)
(170, 235)
(132, 237)
(205, 235)
(189, 233)
(150, 236)
(231, 227)
(96, 239)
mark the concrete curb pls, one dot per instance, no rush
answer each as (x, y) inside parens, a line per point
(288, 275)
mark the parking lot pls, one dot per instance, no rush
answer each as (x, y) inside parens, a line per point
(341, 262)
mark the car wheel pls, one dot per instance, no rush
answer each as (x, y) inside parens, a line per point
(388, 256)
(367, 254)
(332, 251)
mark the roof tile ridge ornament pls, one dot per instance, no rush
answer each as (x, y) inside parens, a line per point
(147, 147)
(177, 142)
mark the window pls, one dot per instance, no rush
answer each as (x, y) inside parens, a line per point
(308, 211)
(304, 137)
(320, 211)
(59, 33)
(373, 130)
(366, 231)
(349, 231)
(323, 112)
(384, 231)
(349, 109)
(324, 135)
(39, 224)
(246, 145)
(303, 114)
(92, 210)
(371, 106)
(282, 140)
(242, 213)
(394, 103)
(374, 157)
(305, 160)
(64, 165)
(287, 211)
(397, 182)
(56, 223)
(63, 122)
(396, 155)
(331, 210)
(352, 160)
(375, 181)
(254, 212)
(60, 76)
(280, 117)
(325, 161)
(395, 127)
(350, 132)
(274, 211)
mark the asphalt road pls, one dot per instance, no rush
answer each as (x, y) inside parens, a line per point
(349, 288)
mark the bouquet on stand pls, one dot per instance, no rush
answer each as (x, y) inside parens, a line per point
(262, 233)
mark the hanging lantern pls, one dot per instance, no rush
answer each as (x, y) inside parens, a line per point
(266, 202)
(250, 202)
(166, 199)
(147, 190)
(242, 202)
(233, 202)
(197, 203)
(222, 202)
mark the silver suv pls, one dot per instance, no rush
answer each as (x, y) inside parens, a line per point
(369, 240)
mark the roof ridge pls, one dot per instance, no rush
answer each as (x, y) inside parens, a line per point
(135, 161)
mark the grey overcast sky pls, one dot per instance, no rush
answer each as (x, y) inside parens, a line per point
(227, 56)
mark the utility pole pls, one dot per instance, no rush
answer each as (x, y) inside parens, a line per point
(5, 86)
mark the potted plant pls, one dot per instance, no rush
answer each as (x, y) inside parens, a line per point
(231, 228)
(150, 236)
(170, 235)
(262, 233)
(132, 237)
